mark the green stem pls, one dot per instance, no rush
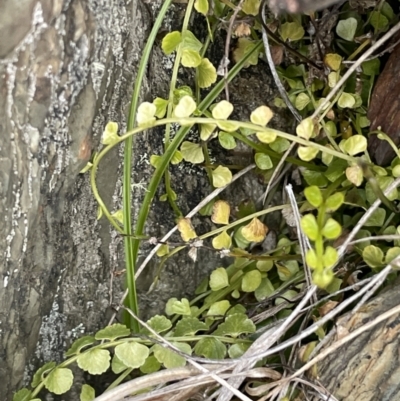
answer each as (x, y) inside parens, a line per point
(172, 87)
(130, 250)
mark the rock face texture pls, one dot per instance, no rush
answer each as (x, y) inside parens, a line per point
(367, 368)
(66, 68)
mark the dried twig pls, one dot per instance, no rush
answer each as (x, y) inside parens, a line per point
(225, 62)
(271, 64)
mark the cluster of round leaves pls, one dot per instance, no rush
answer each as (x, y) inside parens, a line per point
(322, 258)
(112, 347)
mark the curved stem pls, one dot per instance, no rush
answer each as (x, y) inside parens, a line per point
(130, 254)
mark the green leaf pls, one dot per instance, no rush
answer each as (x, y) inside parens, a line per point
(221, 176)
(151, 365)
(264, 290)
(333, 61)
(222, 241)
(326, 157)
(251, 281)
(185, 107)
(286, 270)
(346, 100)
(206, 130)
(334, 202)
(110, 134)
(290, 294)
(314, 196)
(251, 7)
(295, 71)
(222, 110)
(117, 366)
(323, 278)
(310, 226)
(305, 129)
(219, 308)
(87, 393)
(190, 42)
(119, 216)
(243, 47)
(263, 161)
(210, 348)
(291, 31)
(132, 354)
(264, 265)
(206, 73)
(23, 395)
(383, 182)
(346, 28)
(373, 256)
(314, 178)
(392, 254)
(181, 307)
(113, 332)
(235, 325)
(334, 286)
(238, 308)
(336, 169)
(377, 218)
(146, 114)
(177, 157)
(280, 145)
(79, 344)
(302, 101)
(155, 160)
(189, 326)
(95, 361)
(226, 140)
(387, 10)
(312, 259)
(330, 129)
(170, 42)
(355, 175)
(267, 136)
(159, 324)
(371, 67)
(238, 349)
(161, 106)
(59, 381)
(353, 145)
(307, 153)
(332, 229)
(201, 6)
(379, 21)
(169, 358)
(330, 257)
(261, 116)
(192, 152)
(219, 279)
(190, 58)
(40, 373)
(182, 91)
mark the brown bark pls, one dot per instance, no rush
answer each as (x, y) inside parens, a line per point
(384, 110)
(367, 369)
